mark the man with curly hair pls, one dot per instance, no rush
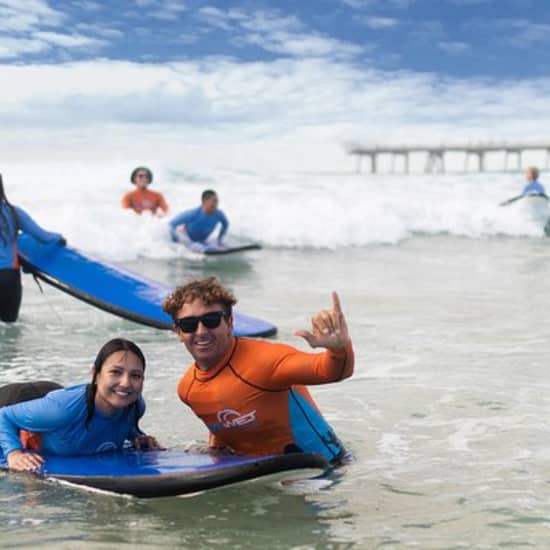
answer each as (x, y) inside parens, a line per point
(251, 394)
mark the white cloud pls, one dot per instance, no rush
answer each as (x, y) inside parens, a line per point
(360, 4)
(23, 16)
(11, 48)
(302, 45)
(529, 34)
(221, 99)
(88, 5)
(100, 30)
(167, 10)
(33, 27)
(69, 40)
(453, 47)
(276, 33)
(378, 23)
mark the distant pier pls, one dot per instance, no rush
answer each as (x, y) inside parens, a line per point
(511, 156)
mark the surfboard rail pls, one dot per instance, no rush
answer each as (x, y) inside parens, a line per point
(154, 473)
(111, 288)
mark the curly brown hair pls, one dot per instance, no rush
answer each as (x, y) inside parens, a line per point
(209, 290)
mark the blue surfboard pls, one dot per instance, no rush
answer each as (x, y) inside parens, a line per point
(168, 473)
(112, 288)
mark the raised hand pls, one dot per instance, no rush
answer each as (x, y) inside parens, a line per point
(328, 327)
(21, 462)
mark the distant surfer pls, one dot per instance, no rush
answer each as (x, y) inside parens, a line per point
(198, 224)
(12, 220)
(78, 420)
(252, 394)
(143, 199)
(533, 188)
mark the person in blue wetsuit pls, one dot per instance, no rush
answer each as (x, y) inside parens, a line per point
(78, 420)
(13, 220)
(533, 187)
(198, 224)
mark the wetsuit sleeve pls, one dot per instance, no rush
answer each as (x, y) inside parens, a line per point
(300, 368)
(38, 415)
(28, 225)
(225, 224)
(180, 219)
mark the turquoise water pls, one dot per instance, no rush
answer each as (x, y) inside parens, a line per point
(446, 414)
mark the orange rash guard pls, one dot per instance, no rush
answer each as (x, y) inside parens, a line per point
(144, 199)
(254, 400)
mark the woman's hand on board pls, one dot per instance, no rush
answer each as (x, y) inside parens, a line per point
(24, 462)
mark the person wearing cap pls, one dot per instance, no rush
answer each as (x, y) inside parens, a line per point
(143, 199)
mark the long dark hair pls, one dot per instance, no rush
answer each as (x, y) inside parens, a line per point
(5, 235)
(112, 346)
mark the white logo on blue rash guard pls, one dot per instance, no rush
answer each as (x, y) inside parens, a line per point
(310, 430)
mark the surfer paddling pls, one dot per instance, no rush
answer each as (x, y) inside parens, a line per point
(533, 187)
(198, 224)
(143, 199)
(85, 419)
(12, 221)
(252, 394)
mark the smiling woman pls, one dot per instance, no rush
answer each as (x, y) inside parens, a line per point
(84, 419)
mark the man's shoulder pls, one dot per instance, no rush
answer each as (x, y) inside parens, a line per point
(254, 346)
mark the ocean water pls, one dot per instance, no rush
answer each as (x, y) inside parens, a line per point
(446, 415)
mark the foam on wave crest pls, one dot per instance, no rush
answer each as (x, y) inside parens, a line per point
(279, 210)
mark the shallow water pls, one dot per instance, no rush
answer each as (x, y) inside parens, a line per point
(446, 414)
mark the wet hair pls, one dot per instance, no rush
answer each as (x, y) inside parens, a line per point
(534, 172)
(209, 291)
(208, 194)
(112, 346)
(6, 236)
(135, 172)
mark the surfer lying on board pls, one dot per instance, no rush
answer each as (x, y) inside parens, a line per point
(143, 199)
(198, 224)
(79, 420)
(533, 188)
(252, 394)
(12, 220)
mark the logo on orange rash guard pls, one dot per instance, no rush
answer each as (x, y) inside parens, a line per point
(230, 418)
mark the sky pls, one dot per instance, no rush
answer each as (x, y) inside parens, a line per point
(233, 80)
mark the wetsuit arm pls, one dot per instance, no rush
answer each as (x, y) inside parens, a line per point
(225, 225)
(179, 220)
(297, 367)
(28, 225)
(38, 415)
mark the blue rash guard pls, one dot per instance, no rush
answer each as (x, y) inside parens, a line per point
(8, 247)
(198, 225)
(534, 188)
(60, 416)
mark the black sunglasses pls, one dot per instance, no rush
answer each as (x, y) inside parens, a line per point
(211, 319)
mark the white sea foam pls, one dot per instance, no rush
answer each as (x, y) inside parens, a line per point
(283, 210)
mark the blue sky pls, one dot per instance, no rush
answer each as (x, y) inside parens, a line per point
(501, 38)
(256, 77)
